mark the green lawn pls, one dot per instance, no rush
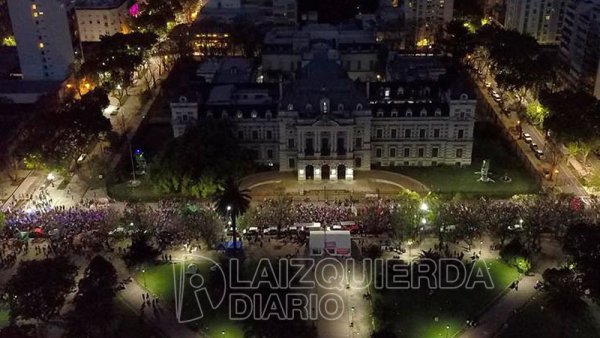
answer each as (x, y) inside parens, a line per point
(145, 192)
(158, 279)
(539, 319)
(413, 313)
(487, 146)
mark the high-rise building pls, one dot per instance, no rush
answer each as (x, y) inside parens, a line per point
(97, 18)
(45, 35)
(425, 18)
(580, 45)
(541, 19)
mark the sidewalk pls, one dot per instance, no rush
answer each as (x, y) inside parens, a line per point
(495, 317)
(161, 317)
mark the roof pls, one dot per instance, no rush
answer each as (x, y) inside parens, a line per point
(99, 4)
(322, 78)
(234, 70)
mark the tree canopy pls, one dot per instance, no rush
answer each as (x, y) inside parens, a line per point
(204, 155)
(39, 287)
(571, 122)
(94, 307)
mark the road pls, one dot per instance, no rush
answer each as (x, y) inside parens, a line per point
(567, 181)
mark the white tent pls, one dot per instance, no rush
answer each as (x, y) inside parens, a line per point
(333, 243)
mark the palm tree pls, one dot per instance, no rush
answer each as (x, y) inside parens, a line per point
(232, 200)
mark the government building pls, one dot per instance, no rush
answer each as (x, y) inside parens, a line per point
(325, 126)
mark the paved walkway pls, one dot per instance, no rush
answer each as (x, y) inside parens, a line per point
(162, 317)
(371, 183)
(494, 318)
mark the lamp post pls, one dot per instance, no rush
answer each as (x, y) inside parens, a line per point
(144, 276)
(447, 329)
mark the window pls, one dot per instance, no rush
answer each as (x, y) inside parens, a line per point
(461, 134)
(358, 144)
(269, 134)
(378, 152)
(393, 133)
(406, 152)
(357, 162)
(270, 154)
(291, 143)
(379, 133)
(436, 133)
(434, 152)
(459, 153)
(421, 152)
(255, 135)
(291, 163)
(407, 133)
(421, 133)
(392, 152)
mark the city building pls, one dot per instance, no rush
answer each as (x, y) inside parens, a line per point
(97, 18)
(324, 126)
(47, 38)
(425, 18)
(286, 50)
(579, 48)
(285, 12)
(541, 19)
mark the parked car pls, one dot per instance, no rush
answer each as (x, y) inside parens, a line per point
(538, 153)
(533, 146)
(81, 158)
(270, 231)
(527, 138)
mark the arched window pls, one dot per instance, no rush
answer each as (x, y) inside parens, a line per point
(423, 112)
(308, 107)
(359, 107)
(183, 99)
(438, 112)
(340, 107)
(254, 114)
(408, 112)
(394, 112)
(290, 107)
(464, 96)
(239, 114)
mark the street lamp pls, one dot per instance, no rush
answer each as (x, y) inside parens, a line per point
(424, 207)
(447, 329)
(144, 276)
(410, 243)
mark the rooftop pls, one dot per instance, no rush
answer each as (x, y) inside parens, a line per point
(98, 4)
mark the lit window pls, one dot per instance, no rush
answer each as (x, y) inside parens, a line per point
(34, 7)
(41, 45)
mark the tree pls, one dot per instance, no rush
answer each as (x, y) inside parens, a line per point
(204, 224)
(94, 306)
(87, 113)
(195, 163)
(570, 123)
(405, 215)
(39, 287)
(232, 201)
(2, 220)
(564, 292)
(457, 40)
(155, 16)
(582, 243)
(536, 113)
(138, 220)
